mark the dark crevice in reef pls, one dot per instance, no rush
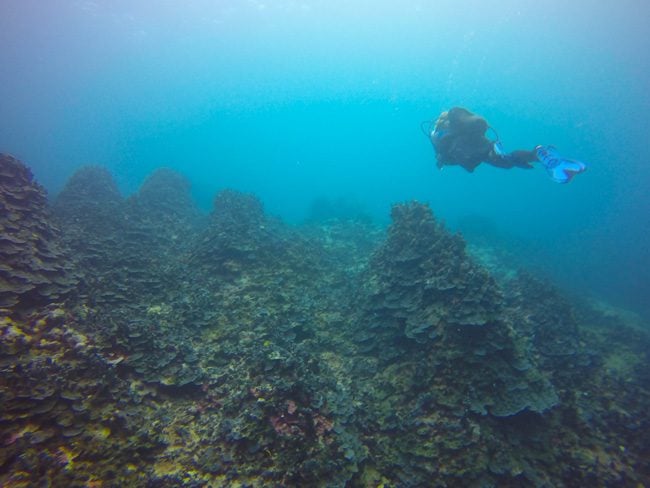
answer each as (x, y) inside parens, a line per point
(144, 344)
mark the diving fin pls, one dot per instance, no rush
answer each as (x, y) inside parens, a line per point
(559, 169)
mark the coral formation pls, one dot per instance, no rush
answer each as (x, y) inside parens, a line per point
(91, 210)
(428, 300)
(237, 235)
(67, 416)
(34, 269)
(123, 247)
(235, 350)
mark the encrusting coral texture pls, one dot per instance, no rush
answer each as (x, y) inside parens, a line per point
(145, 344)
(33, 267)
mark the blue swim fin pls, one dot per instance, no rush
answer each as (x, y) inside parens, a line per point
(560, 169)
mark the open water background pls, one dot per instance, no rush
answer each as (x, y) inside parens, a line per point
(297, 100)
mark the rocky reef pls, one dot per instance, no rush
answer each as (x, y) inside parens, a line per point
(428, 301)
(34, 269)
(146, 344)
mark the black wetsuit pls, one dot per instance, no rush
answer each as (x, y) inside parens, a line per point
(459, 139)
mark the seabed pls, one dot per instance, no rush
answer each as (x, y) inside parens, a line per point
(146, 344)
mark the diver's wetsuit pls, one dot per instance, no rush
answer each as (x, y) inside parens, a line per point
(459, 139)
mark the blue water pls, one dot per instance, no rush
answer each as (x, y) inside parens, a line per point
(295, 100)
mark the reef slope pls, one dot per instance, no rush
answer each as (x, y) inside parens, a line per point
(145, 344)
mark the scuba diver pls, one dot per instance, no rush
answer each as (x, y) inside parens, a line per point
(458, 138)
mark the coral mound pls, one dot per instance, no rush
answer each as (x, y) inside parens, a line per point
(235, 350)
(34, 269)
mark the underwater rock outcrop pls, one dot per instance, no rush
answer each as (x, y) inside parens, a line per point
(550, 318)
(238, 235)
(91, 201)
(427, 299)
(124, 248)
(165, 197)
(422, 281)
(34, 269)
(90, 212)
(66, 416)
(160, 224)
(263, 293)
(132, 248)
(164, 214)
(236, 350)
